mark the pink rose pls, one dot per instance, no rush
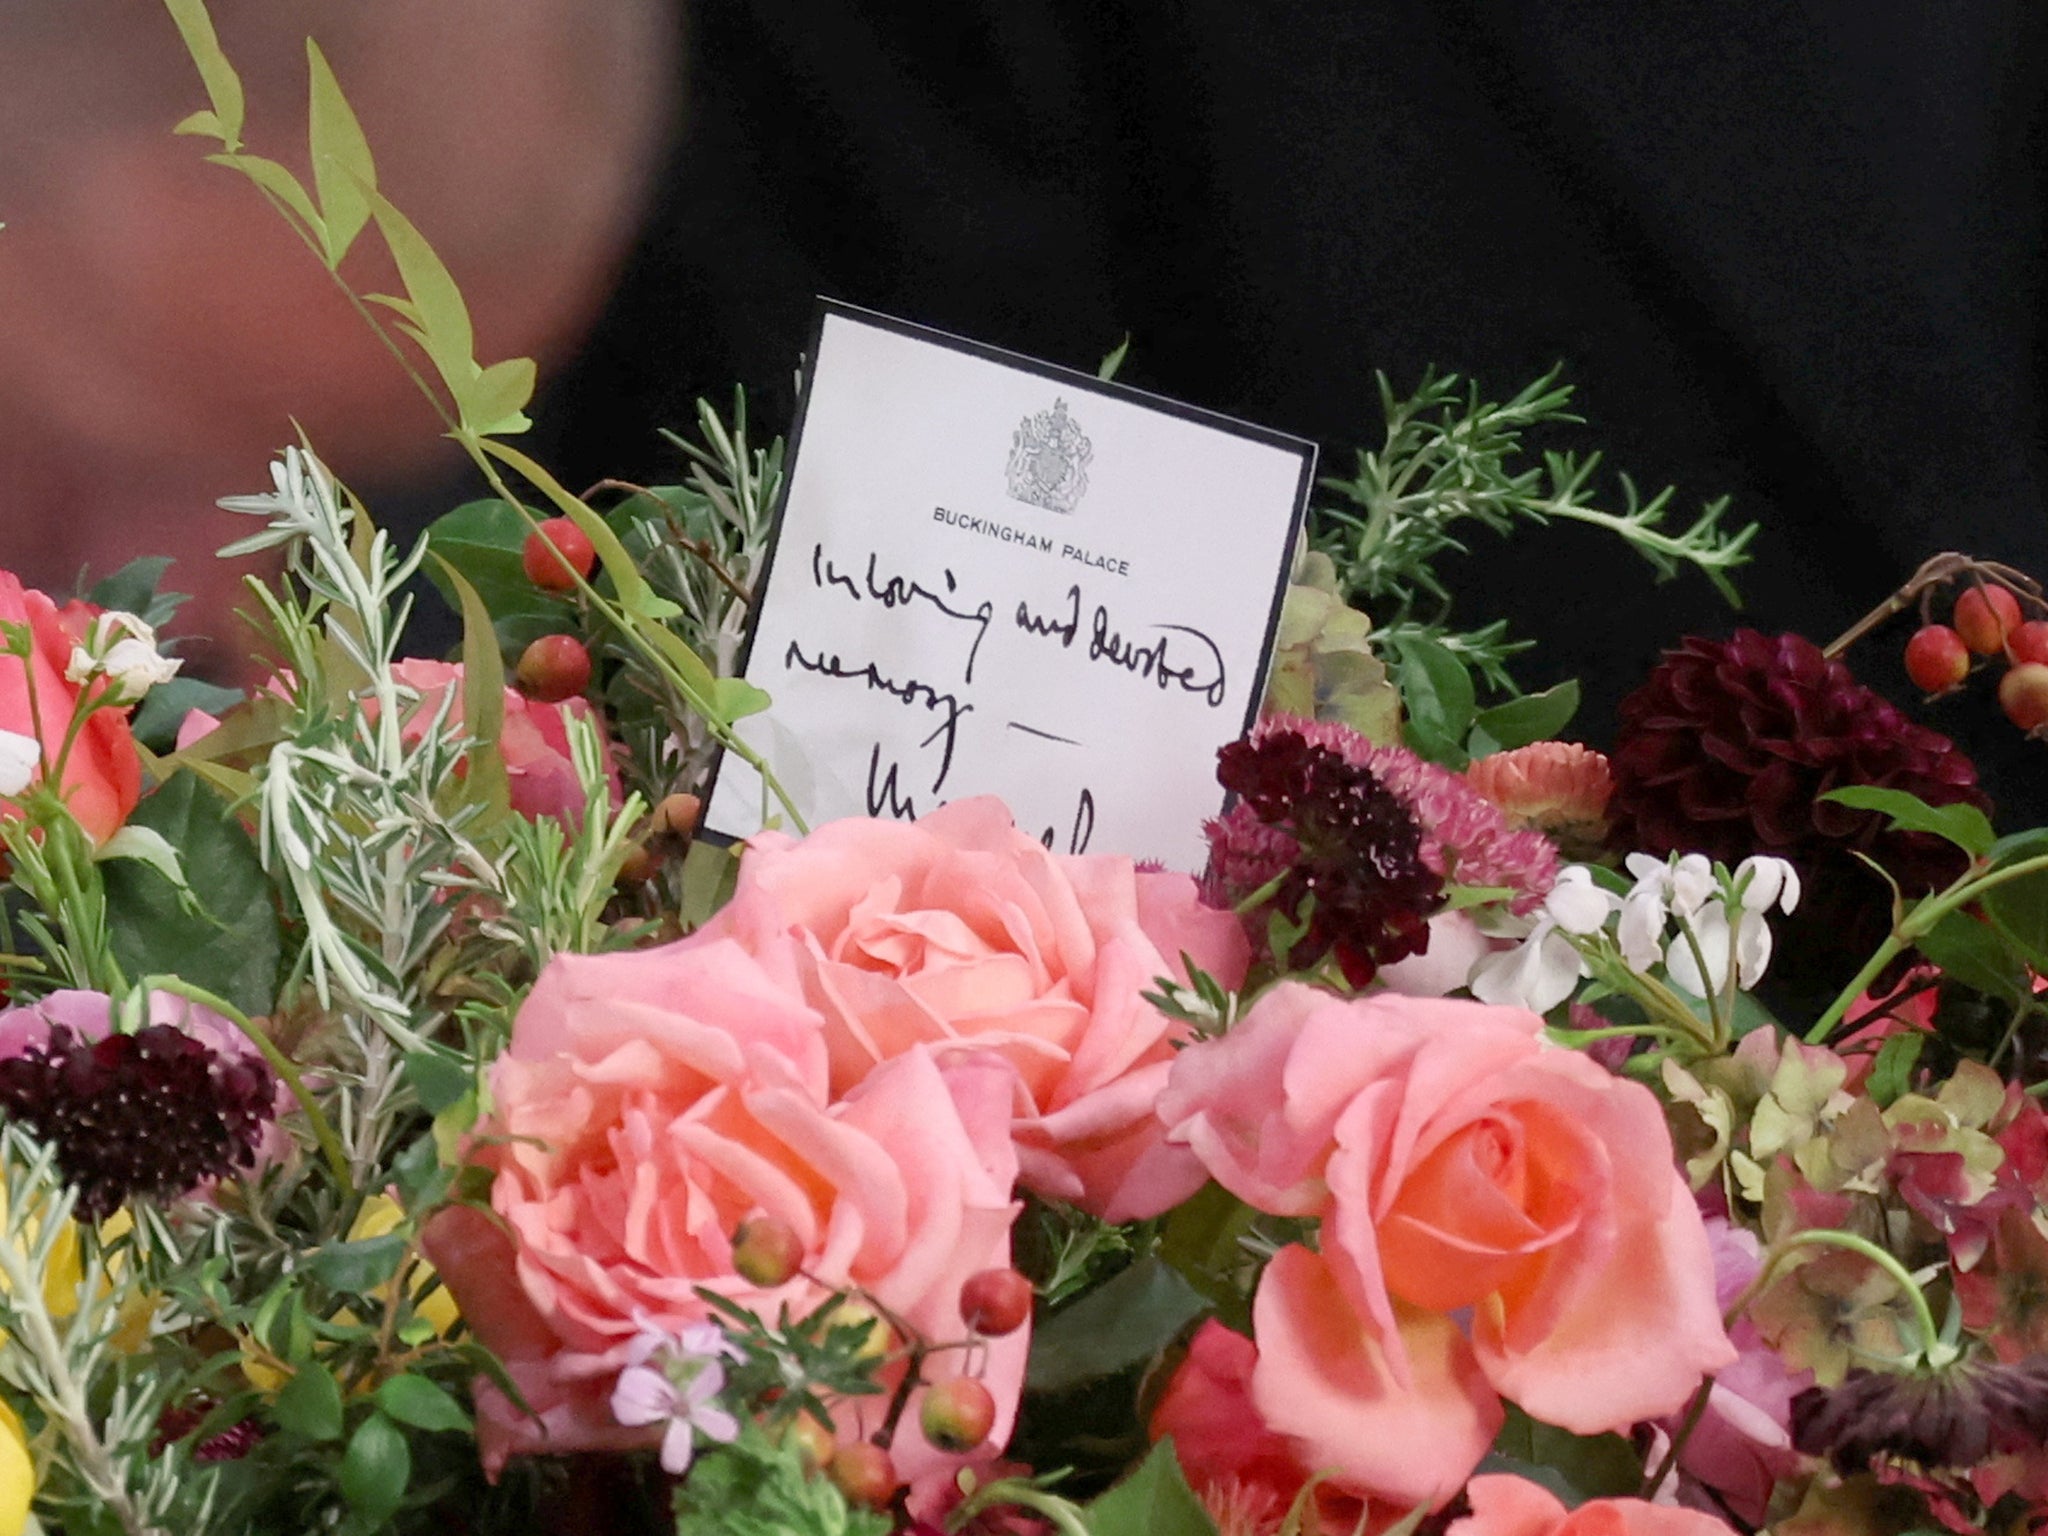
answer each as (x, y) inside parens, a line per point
(1512, 1506)
(534, 741)
(961, 933)
(1246, 1474)
(1500, 1217)
(102, 778)
(648, 1103)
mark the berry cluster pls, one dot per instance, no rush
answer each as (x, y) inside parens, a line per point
(958, 1413)
(1989, 620)
(556, 556)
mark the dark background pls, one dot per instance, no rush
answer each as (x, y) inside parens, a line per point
(1788, 251)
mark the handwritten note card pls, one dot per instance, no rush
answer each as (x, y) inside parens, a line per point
(995, 576)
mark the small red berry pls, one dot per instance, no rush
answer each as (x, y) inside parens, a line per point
(556, 553)
(957, 1414)
(995, 1302)
(2029, 642)
(766, 1251)
(1936, 659)
(877, 1338)
(865, 1474)
(1985, 616)
(2023, 695)
(554, 668)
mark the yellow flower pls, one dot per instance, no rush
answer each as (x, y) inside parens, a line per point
(60, 1280)
(382, 1214)
(17, 1473)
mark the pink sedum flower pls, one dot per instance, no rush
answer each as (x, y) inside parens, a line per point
(651, 1101)
(1500, 1218)
(1465, 837)
(961, 934)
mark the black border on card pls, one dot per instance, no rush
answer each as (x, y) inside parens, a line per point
(1074, 377)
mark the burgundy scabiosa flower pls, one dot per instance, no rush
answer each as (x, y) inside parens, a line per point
(1331, 840)
(1728, 747)
(1952, 1418)
(154, 1113)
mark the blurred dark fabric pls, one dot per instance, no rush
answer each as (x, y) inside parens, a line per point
(1792, 252)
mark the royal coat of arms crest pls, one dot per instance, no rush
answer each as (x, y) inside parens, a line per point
(1049, 456)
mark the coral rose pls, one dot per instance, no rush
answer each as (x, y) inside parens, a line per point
(961, 933)
(1513, 1506)
(102, 778)
(648, 1103)
(1245, 1473)
(534, 740)
(1500, 1217)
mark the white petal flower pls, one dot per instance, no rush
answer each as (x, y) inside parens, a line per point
(1538, 974)
(121, 648)
(1576, 904)
(1710, 943)
(1692, 884)
(1770, 882)
(20, 757)
(1640, 933)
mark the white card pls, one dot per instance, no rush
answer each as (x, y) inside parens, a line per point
(996, 576)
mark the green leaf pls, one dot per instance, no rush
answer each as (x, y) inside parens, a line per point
(281, 184)
(419, 1402)
(438, 1080)
(356, 1267)
(1107, 368)
(1437, 691)
(375, 1469)
(1585, 1466)
(1977, 955)
(310, 1404)
(483, 698)
(735, 698)
(494, 403)
(2019, 907)
(1892, 1073)
(344, 174)
(132, 588)
(1533, 717)
(1201, 1242)
(444, 331)
(223, 85)
(1155, 1500)
(145, 847)
(1121, 1324)
(1964, 825)
(710, 871)
(229, 942)
(156, 722)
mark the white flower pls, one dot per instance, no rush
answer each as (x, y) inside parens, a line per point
(1576, 904)
(20, 757)
(1735, 926)
(1537, 974)
(122, 649)
(680, 1387)
(1545, 968)
(1766, 882)
(1664, 889)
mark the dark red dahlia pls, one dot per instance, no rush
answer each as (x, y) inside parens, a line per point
(1727, 748)
(1343, 848)
(152, 1113)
